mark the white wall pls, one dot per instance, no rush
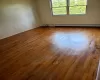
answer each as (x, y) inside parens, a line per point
(92, 16)
(17, 16)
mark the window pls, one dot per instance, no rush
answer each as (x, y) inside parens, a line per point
(59, 7)
(71, 7)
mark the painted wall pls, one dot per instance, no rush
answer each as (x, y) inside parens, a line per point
(17, 16)
(92, 16)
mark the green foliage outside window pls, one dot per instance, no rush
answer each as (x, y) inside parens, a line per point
(59, 7)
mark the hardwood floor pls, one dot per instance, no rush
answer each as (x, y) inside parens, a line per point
(51, 54)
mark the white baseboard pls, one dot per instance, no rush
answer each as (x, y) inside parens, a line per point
(98, 72)
(74, 25)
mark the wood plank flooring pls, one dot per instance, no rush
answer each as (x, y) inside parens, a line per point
(51, 54)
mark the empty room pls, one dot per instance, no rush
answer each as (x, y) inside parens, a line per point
(49, 40)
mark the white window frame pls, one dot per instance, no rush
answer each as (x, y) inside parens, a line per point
(67, 8)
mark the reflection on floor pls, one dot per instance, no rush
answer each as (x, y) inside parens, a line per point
(51, 54)
(74, 41)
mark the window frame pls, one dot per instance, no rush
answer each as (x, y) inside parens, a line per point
(57, 7)
(67, 9)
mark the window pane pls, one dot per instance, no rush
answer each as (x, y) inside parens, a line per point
(77, 10)
(78, 2)
(59, 11)
(58, 3)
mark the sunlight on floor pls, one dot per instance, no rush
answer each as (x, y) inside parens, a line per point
(77, 41)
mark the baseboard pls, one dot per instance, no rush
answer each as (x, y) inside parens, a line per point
(71, 25)
(98, 72)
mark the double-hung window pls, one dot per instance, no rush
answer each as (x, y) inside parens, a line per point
(71, 7)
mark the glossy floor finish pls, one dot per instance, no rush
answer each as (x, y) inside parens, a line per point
(51, 54)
